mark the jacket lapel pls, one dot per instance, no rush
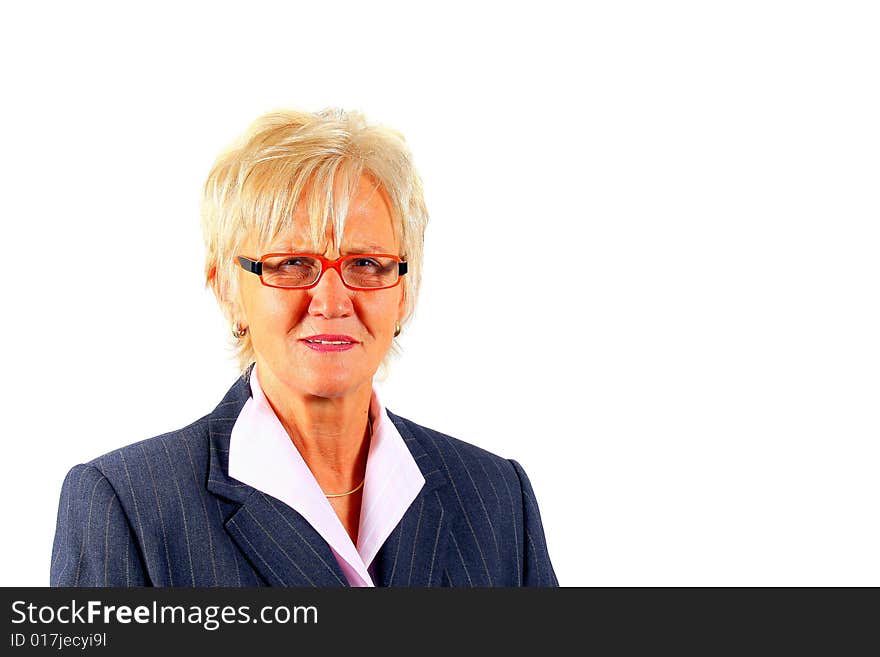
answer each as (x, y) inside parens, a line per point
(279, 543)
(282, 546)
(414, 553)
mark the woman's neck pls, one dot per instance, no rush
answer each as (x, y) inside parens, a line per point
(331, 434)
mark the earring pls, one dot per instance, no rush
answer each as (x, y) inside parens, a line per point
(396, 329)
(238, 332)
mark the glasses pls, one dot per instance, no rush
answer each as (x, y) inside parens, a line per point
(368, 271)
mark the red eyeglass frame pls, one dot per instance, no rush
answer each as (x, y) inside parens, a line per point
(256, 267)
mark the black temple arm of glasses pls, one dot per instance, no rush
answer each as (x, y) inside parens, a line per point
(401, 268)
(253, 266)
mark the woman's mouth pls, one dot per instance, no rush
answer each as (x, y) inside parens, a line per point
(329, 342)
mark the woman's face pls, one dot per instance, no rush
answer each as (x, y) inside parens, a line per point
(279, 320)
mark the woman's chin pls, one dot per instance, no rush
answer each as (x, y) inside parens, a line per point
(330, 380)
(330, 384)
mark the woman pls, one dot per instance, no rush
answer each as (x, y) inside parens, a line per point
(313, 226)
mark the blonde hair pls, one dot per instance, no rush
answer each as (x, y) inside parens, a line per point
(255, 185)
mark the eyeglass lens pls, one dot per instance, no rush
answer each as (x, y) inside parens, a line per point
(301, 271)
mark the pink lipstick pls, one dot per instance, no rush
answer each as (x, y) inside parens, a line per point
(329, 342)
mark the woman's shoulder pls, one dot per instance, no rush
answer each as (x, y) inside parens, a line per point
(153, 458)
(188, 444)
(454, 455)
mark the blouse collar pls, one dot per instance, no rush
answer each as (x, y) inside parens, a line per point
(262, 455)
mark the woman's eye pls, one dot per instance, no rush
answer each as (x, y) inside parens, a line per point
(365, 262)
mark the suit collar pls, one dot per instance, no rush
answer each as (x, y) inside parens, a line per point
(220, 422)
(287, 551)
(434, 476)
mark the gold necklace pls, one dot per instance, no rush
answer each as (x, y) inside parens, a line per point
(358, 487)
(349, 492)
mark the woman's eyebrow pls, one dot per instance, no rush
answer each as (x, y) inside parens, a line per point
(365, 248)
(287, 249)
(359, 248)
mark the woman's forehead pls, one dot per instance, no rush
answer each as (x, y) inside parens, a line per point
(362, 214)
(361, 232)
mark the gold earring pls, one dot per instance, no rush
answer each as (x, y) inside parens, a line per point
(238, 332)
(396, 329)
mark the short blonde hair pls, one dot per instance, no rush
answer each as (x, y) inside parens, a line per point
(255, 185)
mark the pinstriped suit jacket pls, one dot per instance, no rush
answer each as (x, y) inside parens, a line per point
(165, 512)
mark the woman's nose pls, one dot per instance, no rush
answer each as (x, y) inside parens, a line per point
(330, 298)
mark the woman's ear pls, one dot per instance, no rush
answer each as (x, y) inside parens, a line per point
(401, 305)
(212, 283)
(227, 298)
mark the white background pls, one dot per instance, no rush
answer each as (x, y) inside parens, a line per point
(690, 373)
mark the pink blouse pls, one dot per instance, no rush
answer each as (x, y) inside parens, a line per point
(262, 455)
